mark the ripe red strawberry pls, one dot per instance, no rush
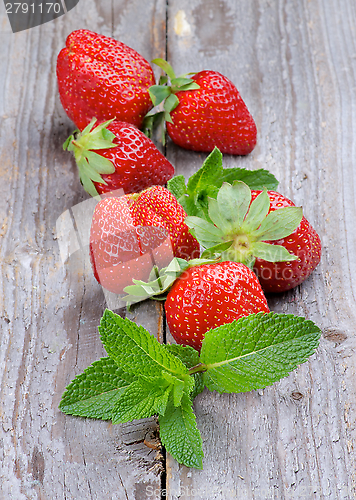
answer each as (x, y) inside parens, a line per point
(132, 233)
(117, 155)
(208, 296)
(99, 76)
(119, 249)
(213, 116)
(262, 229)
(158, 207)
(304, 242)
(205, 112)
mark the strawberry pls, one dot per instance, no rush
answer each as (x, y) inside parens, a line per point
(131, 234)
(119, 249)
(116, 155)
(99, 76)
(304, 242)
(204, 112)
(210, 295)
(262, 229)
(156, 206)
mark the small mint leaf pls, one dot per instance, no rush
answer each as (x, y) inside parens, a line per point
(192, 206)
(134, 349)
(94, 392)
(272, 253)
(190, 357)
(176, 185)
(255, 351)
(178, 390)
(142, 398)
(255, 179)
(208, 173)
(180, 435)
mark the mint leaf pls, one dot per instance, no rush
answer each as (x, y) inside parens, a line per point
(145, 397)
(205, 183)
(256, 351)
(180, 435)
(134, 349)
(208, 174)
(255, 179)
(190, 357)
(176, 186)
(94, 392)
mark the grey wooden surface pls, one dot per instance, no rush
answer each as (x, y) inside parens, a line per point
(294, 63)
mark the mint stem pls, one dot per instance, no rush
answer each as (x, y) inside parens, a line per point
(200, 367)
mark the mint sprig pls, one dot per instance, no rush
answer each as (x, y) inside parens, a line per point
(206, 182)
(141, 377)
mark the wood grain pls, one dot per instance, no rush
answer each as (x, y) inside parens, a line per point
(296, 71)
(49, 309)
(294, 64)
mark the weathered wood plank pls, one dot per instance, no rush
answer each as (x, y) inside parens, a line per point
(294, 64)
(50, 310)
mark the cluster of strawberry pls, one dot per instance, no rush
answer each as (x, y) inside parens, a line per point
(253, 241)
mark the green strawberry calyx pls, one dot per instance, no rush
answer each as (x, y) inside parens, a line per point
(164, 94)
(240, 230)
(91, 164)
(161, 280)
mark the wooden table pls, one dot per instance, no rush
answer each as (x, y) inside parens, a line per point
(294, 62)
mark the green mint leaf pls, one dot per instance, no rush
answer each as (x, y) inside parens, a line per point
(145, 397)
(280, 223)
(208, 173)
(134, 349)
(272, 253)
(176, 186)
(192, 206)
(255, 351)
(95, 392)
(190, 357)
(255, 179)
(180, 435)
